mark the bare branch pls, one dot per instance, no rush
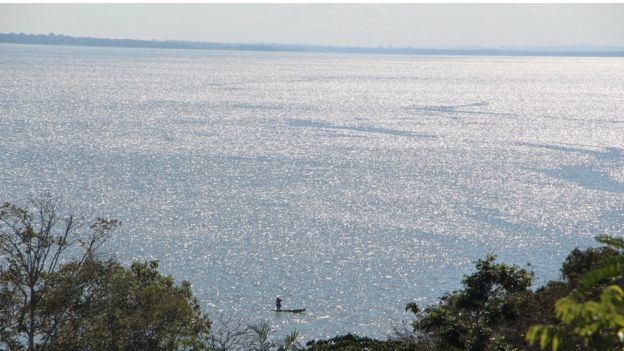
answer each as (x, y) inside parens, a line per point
(34, 244)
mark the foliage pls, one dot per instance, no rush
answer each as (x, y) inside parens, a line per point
(262, 340)
(33, 246)
(262, 332)
(57, 294)
(475, 317)
(134, 308)
(352, 342)
(597, 320)
(229, 334)
(234, 335)
(291, 342)
(580, 262)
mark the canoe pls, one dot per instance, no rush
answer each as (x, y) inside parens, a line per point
(299, 310)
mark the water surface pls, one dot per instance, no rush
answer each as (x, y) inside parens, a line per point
(347, 184)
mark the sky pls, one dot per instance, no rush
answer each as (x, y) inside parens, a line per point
(396, 25)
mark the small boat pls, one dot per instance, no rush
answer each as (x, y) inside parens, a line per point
(298, 310)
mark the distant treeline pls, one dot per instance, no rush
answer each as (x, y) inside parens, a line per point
(59, 39)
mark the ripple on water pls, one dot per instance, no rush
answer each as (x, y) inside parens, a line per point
(348, 184)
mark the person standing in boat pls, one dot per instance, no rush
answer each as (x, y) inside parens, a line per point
(278, 303)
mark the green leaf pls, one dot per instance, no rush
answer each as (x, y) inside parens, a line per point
(531, 334)
(544, 338)
(611, 241)
(613, 268)
(555, 342)
(618, 320)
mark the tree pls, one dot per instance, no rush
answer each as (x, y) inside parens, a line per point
(594, 310)
(134, 308)
(261, 339)
(33, 245)
(352, 342)
(229, 335)
(476, 317)
(290, 342)
(57, 293)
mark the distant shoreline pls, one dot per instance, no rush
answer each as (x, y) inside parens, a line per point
(59, 39)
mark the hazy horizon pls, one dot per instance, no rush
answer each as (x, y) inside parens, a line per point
(574, 48)
(441, 26)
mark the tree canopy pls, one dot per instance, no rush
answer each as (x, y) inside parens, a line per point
(56, 293)
(594, 310)
(475, 317)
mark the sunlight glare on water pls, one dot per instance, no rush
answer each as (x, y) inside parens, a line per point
(348, 184)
